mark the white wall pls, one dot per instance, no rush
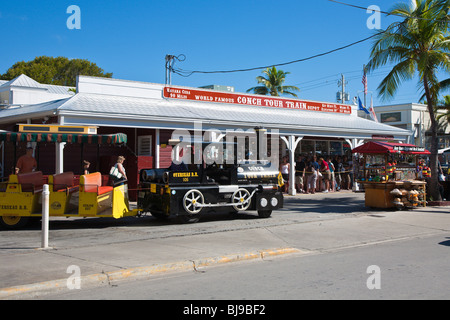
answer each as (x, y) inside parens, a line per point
(115, 87)
(25, 95)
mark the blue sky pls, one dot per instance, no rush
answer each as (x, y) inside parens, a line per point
(131, 38)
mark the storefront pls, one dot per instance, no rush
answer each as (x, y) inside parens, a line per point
(392, 174)
(149, 113)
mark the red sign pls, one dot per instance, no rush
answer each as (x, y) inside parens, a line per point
(254, 100)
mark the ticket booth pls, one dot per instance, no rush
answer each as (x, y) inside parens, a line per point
(392, 174)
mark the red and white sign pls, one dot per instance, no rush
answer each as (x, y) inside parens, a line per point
(253, 100)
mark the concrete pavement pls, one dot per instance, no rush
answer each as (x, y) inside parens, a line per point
(104, 251)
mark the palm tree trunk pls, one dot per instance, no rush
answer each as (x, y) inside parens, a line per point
(433, 186)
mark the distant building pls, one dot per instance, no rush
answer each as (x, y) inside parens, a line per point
(415, 118)
(23, 91)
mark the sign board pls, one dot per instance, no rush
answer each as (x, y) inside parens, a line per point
(253, 100)
(382, 137)
(55, 128)
(409, 149)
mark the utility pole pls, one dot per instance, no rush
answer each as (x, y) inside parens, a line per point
(169, 67)
(170, 61)
(365, 85)
(342, 96)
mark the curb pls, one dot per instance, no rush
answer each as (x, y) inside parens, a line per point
(107, 278)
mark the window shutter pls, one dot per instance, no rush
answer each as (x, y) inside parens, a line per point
(145, 145)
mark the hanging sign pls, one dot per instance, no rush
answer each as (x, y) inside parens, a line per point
(254, 100)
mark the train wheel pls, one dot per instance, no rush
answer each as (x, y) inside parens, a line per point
(241, 199)
(191, 200)
(13, 222)
(264, 213)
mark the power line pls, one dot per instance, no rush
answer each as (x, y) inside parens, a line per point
(389, 13)
(187, 73)
(317, 83)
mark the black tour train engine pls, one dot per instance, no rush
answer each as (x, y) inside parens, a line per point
(186, 191)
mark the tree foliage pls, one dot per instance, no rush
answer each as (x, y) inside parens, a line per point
(57, 71)
(272, 83)
(418, 45)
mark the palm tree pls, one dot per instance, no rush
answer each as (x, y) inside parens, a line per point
(272, 83)
(445, 105)
(420, 44)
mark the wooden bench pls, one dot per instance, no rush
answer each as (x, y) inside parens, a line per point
(93, 183)
(63, 182)
(31, 182)
(22, 195)
(94, 198)
(62, 186)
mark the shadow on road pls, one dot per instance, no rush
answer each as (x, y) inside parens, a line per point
(446, 242)
(344, 205)
(318, 204)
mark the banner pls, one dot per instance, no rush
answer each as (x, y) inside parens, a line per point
(253, 100)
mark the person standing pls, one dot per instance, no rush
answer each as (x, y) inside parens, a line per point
(86, 165)
(121, 168)
(26, 163)
(300, 167)
(284, 168)
(326, 174)
(346, 180)
(318, 175)
(338, 174)
(332, 171)
(311, 178)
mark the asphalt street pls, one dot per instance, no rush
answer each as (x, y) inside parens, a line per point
(414, 268)
(103, 252)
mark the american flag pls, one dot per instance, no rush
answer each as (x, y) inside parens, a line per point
(364, 81)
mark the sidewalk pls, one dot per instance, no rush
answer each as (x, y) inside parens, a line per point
(113, 250)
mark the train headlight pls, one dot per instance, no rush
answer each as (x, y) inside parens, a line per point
(274, 201)
(263, 202)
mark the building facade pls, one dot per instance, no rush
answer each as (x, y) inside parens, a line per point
(149, 113)
(415, 118)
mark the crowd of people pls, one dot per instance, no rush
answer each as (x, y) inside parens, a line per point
(319, 174)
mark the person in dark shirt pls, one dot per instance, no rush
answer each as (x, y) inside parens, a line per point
(338, 174)
(300, 167)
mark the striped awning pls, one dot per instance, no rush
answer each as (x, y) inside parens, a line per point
(117, 138)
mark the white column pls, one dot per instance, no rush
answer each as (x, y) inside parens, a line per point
(292, 142)
(157, 143)
(60, 157)
(45, 216)
(59, 166)
(354, 143)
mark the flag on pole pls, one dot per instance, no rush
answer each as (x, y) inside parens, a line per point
(362, 107)
(364, 81)
(372, 111)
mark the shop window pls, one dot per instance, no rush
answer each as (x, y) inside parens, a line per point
(321, 148)
(335, 148)
(145, 145)
(391, 117)
(307, 147)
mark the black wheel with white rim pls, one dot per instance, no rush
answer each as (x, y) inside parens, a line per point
(192, 201)
(241, 199)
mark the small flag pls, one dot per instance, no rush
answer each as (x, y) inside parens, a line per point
(361, 106)
(372, 111)
(364, 81)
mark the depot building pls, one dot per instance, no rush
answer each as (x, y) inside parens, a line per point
(148, 114)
